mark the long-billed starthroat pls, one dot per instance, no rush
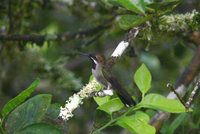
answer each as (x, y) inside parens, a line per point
(102, 73)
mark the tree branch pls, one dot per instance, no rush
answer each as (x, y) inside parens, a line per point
(194, 93)
(184, 80)
(57, 37)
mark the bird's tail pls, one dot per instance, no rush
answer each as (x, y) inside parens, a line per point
(121, 92)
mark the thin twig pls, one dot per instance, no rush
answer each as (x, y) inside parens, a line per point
(172, 89)
(192, 95)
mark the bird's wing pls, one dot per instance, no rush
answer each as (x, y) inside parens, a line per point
(111, 62)
(121, 92)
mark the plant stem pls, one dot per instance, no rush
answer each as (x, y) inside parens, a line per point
(114, 120)
(106, 125)
(1, 128)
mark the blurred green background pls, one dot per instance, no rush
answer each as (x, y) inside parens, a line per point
(63, 72)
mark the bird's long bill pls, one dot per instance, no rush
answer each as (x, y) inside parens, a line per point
(84, 54)
(89, 55)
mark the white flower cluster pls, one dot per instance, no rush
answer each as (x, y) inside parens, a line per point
(76, 100)
(71, 104)
(178, 22)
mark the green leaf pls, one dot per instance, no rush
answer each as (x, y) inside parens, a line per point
(111, 106)
(142, 116)
(91, 77)
(101, 100)
(40, 128)
(159, 102)
(137, 124)
(130, 21)
(53, 111)
(30, 112)
(13, 103)
(137, 6)
(165, 6)
(142, 79)
(176, 123)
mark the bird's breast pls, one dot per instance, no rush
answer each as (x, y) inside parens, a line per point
(98, 75)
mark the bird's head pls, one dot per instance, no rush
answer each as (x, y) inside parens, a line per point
(97, 59)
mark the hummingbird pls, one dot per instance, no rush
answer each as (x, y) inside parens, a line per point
(102, 73)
